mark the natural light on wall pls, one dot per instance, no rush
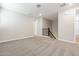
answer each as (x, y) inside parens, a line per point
(76, 21)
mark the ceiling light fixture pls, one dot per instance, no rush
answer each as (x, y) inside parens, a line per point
(63, 4)
(38, 5)
(66, 4)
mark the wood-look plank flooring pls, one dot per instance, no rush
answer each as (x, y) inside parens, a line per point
(38, 46)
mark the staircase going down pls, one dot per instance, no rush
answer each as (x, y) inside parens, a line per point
(47, 32)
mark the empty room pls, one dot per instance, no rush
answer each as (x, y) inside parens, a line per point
(39, 29)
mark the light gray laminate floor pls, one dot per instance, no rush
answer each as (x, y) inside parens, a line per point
(38, 46)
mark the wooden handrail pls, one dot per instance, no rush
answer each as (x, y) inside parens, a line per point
(49, 32)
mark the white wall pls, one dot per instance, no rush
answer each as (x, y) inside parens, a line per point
(47, 23)
(52, 24)
(55, 28)
(66, 25)
(38, 25)
(41, 23)
(15, 25)
(76, 23)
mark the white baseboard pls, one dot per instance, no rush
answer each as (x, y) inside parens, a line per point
(21, 38)
(33, 36)
(15, 39)
(67, 41)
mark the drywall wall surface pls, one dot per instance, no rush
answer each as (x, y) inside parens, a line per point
(15, 25)
(66, 24)
(55, 28)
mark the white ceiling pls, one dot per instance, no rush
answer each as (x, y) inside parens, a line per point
(48, 10)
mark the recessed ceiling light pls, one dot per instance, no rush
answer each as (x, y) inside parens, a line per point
(63, 4)
(66, 4)
(38, 5)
